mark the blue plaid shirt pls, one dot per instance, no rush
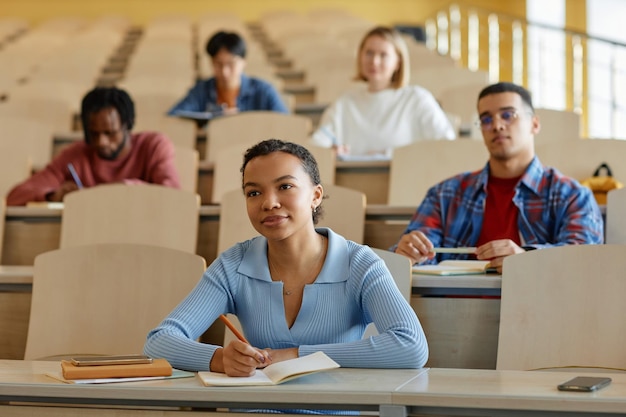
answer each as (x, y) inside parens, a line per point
(254, 94)
(554, 210)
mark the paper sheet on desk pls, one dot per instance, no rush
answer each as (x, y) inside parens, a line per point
(365, 158)
(198, 115)
(176, 373)
(454, 267)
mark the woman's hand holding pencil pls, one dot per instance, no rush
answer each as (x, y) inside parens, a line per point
(239, 358)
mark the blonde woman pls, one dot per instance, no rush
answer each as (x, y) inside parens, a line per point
(387, 113)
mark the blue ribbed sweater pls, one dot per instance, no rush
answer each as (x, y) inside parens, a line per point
(353, 289)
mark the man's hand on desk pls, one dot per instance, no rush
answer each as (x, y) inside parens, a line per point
(58, 194)
(496, 251)
(415, 246)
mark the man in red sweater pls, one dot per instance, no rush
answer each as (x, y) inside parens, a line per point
(109, 154)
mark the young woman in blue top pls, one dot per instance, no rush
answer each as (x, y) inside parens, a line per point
(295, 289)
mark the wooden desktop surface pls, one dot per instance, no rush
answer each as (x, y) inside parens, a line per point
(344, 388)
(504, 393)
(390, 392)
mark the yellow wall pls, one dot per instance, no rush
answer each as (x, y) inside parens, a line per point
(142, 11)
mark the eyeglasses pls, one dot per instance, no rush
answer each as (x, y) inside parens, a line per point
(507, 116)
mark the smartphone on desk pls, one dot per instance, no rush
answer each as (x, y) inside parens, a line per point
(110, 360)
(584, 384)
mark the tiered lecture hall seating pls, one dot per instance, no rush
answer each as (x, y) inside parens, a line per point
(159, 73)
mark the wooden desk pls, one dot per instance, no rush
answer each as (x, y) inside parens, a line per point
(30, 231)
(460, 316)
(391, 393)
(345, 389)
(15, 297)
(506, 393)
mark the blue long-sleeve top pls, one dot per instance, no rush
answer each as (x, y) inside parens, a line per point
(353, 289)
(254, 94)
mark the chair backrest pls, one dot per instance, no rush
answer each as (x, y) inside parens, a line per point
(234, 222)
(436, 79)
(615, 219)
(558, 126)
(24, 135)
(3, 208)
(187, 160)
(461, 101)
(15, 166)
(563, 306)
(52, 112)
(417, 167)
(344, 212)
(248, 128)
(151, 109)
(144, 214)
(104, 298)
(583, 156)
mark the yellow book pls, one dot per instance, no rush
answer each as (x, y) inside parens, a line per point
(274, 374)
(455, 267)
(158, 367)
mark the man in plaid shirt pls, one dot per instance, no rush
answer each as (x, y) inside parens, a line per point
(513, 204)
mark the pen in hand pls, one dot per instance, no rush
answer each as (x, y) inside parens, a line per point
(77, 180)
(233, 329)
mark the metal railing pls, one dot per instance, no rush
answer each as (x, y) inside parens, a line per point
(514, 49)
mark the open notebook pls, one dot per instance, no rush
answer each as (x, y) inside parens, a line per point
(455, 267)
(273, 374)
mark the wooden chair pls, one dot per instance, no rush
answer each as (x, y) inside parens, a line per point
(187, 160)
(105, 298)
(234, 222)
(583, 156)
(461, 101)
(436, 79)
(118, 213)
(15, 165)
(417, 167)
(563, 307)
(248, 128)
(615, 224)
(344, 212)
(151, 109)
(558, 126)
(3, 209)
(26, 135)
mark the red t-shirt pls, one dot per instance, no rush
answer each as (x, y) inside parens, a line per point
(500, 215)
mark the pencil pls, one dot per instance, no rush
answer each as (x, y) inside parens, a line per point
(454, 250)
(75, 175)
(233, 329)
